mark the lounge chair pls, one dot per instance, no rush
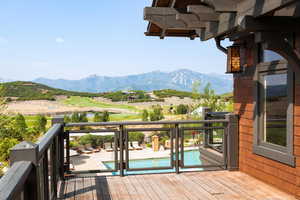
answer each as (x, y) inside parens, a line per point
(108, 147)
(136, 146)
(130, 147)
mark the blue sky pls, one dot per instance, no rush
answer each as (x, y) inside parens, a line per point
(76, 38)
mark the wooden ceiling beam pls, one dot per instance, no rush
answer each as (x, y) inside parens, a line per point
(292, 10)
(203, 13)
(170, 18)
(190, 20)
(223, 5)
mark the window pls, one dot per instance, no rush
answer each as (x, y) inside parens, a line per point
(273, 137)
(269, 56)
(275, 106)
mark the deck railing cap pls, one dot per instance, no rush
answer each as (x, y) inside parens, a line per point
(24, 145)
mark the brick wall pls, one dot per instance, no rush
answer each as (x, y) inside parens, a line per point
(279, 175)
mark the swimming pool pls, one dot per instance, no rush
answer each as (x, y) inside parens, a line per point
(191, 157)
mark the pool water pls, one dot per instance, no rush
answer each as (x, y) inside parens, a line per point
(190, 158)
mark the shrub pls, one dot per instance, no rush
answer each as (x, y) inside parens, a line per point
(40, 123)
(157, 113)
(5, 145)
(182, 109)
(136, 136)
(145, 115)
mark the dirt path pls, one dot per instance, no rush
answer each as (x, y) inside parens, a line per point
(53, 108)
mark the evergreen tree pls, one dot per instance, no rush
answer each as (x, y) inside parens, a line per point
(75, 117)
(40, 124)
(145, 115)
(182, 109)
(67, 119)
(20, 123)
(157, 113)
(5, 145)
(83, 117)
(98, 117)
(105, 116)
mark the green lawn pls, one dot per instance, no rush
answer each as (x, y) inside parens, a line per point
(125, 117)
(89, 102)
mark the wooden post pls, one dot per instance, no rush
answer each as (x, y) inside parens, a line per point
(177, 148)
(207, 133)
(232, 142)
(61, 148)
(121, 165)
(27, 151)
(155, 143)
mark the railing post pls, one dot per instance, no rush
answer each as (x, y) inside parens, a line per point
(207, 136)
(232, 142)
(61, 147)
(27, 151)
(177, 148)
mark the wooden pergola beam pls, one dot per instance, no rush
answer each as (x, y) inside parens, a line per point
(223, 5)
(170, 18)
(203, 13)
(191, 21)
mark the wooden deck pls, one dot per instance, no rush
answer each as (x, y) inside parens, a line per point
(216, 185)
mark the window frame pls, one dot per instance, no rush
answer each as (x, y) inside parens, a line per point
(260, 147)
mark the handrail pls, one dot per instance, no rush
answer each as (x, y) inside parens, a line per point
(30, 172)
(45, 141)
(143, 123)
(13, 181)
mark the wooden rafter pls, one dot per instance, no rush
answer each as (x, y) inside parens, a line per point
(203, 13)
(170, 18)
(223, 5)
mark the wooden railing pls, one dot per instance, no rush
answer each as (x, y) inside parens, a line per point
(38, 169)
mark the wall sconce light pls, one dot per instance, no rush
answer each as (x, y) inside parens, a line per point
(234, 59)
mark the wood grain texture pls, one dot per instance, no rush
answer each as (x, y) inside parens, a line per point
(212, 185)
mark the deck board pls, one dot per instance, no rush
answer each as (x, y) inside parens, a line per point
(212, 185)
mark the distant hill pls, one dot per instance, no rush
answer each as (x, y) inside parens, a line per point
(35, 91)
(2, 80)
(178, 80)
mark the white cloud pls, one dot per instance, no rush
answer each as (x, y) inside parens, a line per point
(59, 40)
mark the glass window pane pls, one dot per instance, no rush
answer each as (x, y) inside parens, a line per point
(270, 56)
(275, 109)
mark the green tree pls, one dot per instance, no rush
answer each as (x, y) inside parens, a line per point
(211, 100)
(105, 116)
(196, 89)
(75, 117)
(182, 109)
(5, 145)
(9, 129)
(83, 117)
(145, 115)
(136, 136)
(67, 119)
(2, 99)
(157, 113)
(40, 123)
(20, 123)
(98, 117)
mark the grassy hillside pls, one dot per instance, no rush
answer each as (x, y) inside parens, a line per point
(172, 93)
(34, 91)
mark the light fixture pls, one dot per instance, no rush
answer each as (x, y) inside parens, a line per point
(233, 59)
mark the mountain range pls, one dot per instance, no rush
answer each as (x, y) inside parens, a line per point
(182, 79)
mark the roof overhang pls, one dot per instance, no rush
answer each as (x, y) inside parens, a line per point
(215, 18)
